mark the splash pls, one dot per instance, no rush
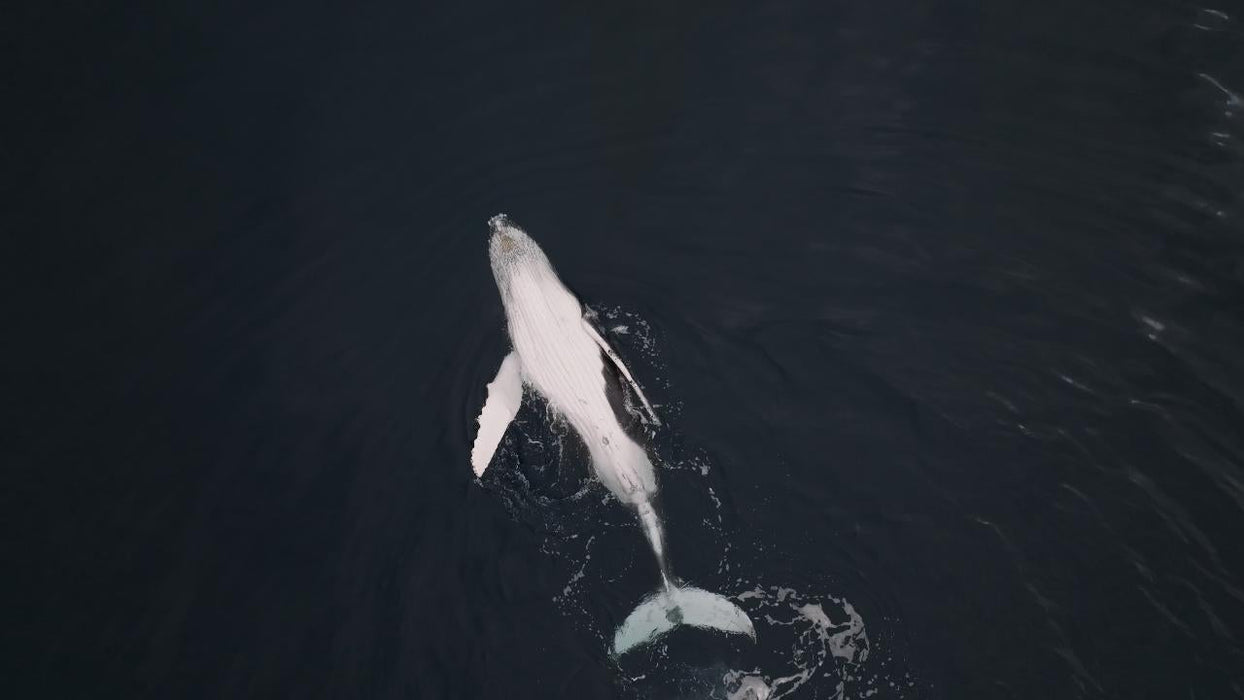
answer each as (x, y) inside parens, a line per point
(824, 653)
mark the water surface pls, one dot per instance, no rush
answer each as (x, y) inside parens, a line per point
(942, 303)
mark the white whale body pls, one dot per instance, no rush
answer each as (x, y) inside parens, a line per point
(559, 355)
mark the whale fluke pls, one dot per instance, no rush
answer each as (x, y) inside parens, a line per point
(679, 605)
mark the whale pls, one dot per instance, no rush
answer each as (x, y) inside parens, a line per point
(558, 355)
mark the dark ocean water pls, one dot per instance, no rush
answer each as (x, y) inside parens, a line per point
(943, 304)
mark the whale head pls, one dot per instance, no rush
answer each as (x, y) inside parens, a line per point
(511, 251)
(506, 239)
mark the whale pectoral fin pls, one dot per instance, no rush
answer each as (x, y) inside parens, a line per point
(649, 416)
(505, 393)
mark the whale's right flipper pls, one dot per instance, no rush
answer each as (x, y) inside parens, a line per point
(505, 394)
(680, 605)
(649, 416)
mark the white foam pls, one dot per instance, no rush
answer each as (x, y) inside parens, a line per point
(822, 652)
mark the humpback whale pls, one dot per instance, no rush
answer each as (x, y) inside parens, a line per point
(560, 356)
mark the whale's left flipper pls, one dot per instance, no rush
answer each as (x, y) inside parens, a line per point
(505, 393)
(651, 415)
(679, 605)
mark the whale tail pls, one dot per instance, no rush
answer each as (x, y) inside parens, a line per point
(679, 605)
(673, 604)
